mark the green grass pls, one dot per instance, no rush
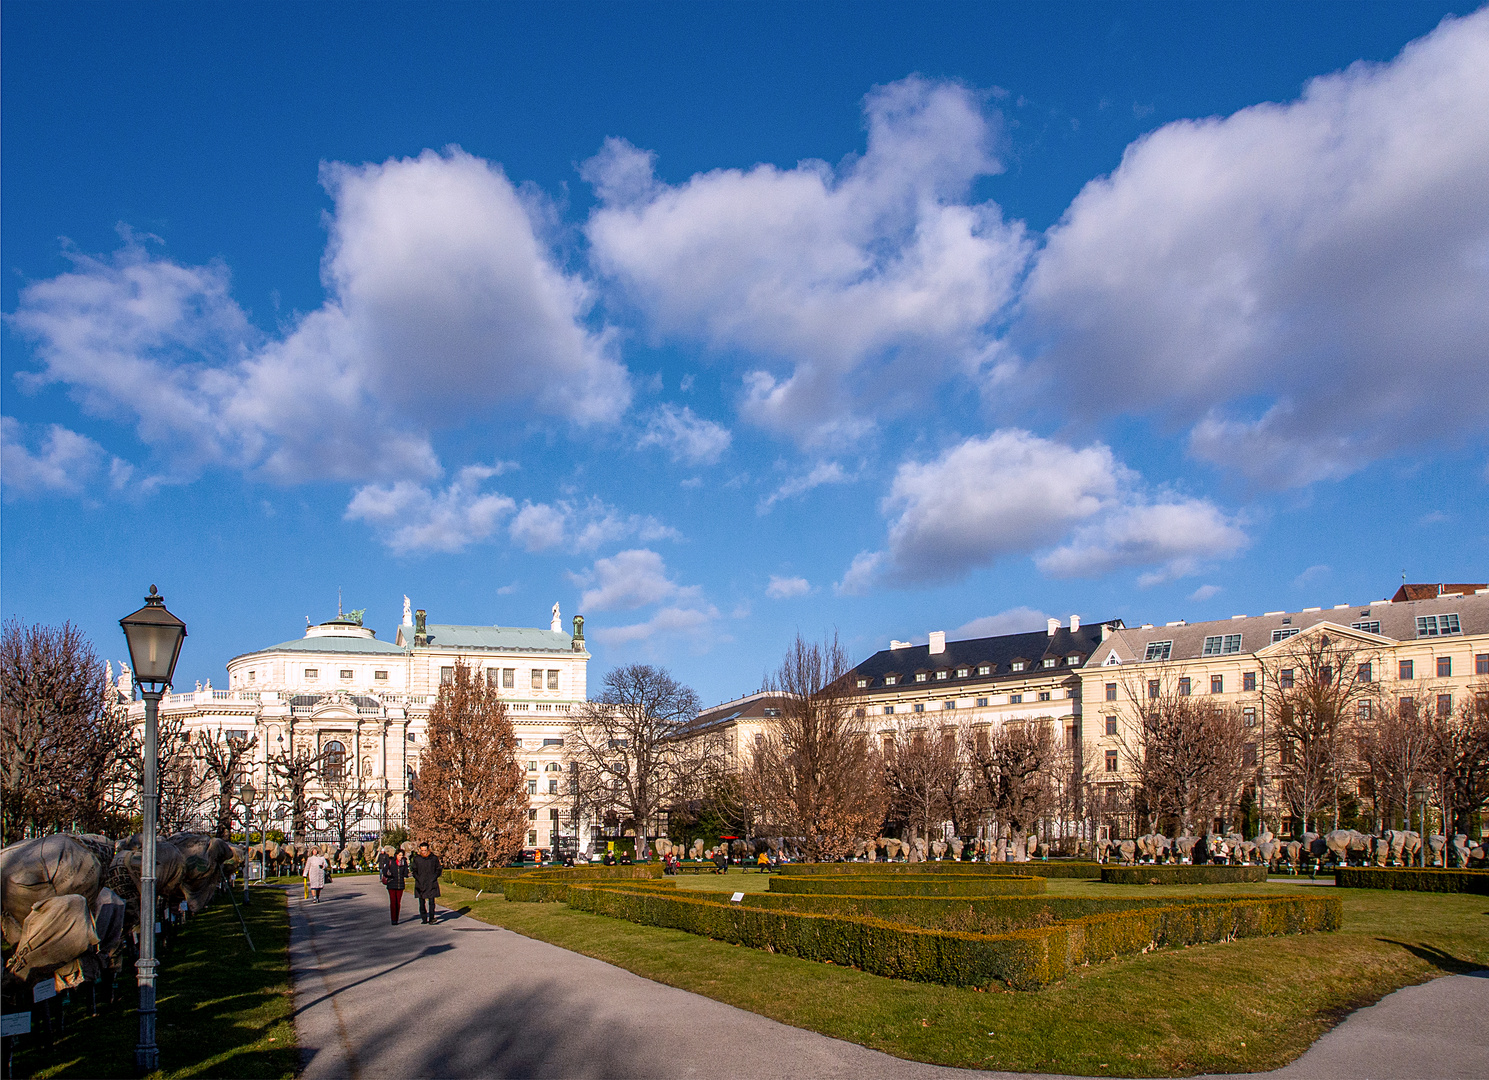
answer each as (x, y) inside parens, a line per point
(1241, 1006)
(223, 1010)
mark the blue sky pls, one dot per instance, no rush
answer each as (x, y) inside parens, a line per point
(717, 323)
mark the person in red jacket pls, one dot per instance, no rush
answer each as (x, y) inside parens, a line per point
(394, 875)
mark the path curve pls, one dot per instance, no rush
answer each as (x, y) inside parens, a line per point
(463, 998)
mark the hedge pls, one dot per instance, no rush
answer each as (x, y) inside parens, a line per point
(1423, 880)
(549, 886)
(1055, 868)
(496, 879)
(909, 885)
(1182, 875)
(1022, 959)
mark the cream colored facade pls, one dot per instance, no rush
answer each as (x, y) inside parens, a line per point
(344, 694)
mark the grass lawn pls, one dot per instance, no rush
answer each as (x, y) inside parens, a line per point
(223, 1011)
(1241, 1006)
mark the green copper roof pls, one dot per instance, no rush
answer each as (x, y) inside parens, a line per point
(364, 645)
(445, 636)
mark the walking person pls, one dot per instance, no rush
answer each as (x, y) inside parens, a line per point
(394, 876)
(317, 870)
(426, 870)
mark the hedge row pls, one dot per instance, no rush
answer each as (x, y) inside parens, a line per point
(551, 886)
(1022, 959)
(1055, 868)
(496, 879)
(981, 915)
(1182, 875)
(909, 885)
(1371, 877)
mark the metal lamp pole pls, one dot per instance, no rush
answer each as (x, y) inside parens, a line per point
(154, 636)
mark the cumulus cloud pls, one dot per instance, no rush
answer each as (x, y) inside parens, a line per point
(411, 517)
(1305, 284)
(582, 526)
(1013, 493)
(62, 462)
(1206, 592)
(629, 580)
(783, 588)
(824, 472)
(442, 304)
(1017, 620)
(831, 281)
(669, 620)
(685, 435)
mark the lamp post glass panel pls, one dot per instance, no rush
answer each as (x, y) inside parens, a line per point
(154, 636)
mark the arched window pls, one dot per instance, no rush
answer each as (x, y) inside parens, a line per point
(553, 766)
(333, 762)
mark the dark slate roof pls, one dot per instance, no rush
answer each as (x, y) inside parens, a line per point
(998, 652)
(751, 707)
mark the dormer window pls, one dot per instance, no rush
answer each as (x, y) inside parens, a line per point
(1073, 660)
(943, 675)
(862, 683)
(984, 669)
(1158, 650)
(961, 673)
(921, 676)
(1050, 661)
(890, 680)
(1019, 665)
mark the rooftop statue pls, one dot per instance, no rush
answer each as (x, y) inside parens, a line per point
(557, 625)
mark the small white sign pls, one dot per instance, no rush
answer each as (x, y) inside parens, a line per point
(43, 990)
(736, 898)
(15, 1024)
(182, 908)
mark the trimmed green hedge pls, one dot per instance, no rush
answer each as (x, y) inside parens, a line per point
(496, 879)
(492, 881)
(1054, 868)
(1423, 880)
(1022, 959)
(1182, 875)
(550, 886)
(909, 885)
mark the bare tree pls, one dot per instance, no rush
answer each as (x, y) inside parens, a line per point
(345, 801)
(294, 769)
(1401, 749)
(824, 782)
(915, 772)
(1313, 691)
(179, 777)
(624, 748)
(470, 798)
(1465, 758)
(224, 767)
(732, 787)
(1013, 765)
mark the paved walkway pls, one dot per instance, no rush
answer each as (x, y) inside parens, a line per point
(466, 999)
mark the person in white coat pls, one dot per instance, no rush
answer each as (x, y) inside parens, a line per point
(317, 870)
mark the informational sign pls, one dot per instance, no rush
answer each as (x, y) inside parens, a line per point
(736, 898)
(15, 1024)
(43, 990)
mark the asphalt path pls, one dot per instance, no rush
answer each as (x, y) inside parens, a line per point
(463, 998)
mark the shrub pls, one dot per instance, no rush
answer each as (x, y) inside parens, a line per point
(976, 914)
(1182, 875)
(1055, 868)
(1022, 959)
(495, 880)
(909, 885)
(1423, 880)
(549, 886)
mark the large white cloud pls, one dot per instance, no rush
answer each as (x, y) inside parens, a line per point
(629, 580)
(685, 435)
(62, 462)
(1015, 493)
(412, 517)
(442, 305)
(834, 280)
(1306, 284)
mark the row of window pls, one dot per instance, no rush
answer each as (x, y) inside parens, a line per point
(1073, 660)
(1286, 677)
(312, 674)
(950, 703)
(1228, 644)
(506, 678)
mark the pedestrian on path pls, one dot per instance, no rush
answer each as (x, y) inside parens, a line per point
(317, 870)
(426, 870)
(394, 876)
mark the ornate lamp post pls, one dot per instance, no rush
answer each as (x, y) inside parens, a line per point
(154, 636)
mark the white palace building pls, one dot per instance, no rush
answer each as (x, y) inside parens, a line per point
(361, 704)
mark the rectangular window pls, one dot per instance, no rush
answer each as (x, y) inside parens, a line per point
(1153, 689)
(1365, 673)
(1248, 756)
(1437, 625)
(1159, 650)
(532, 787)
(346, 673)
(509, 678)
(532, 766)
(1111, 691)
(537, 678)
(1050, 661)
(532, 837)
(1222, 644)
(890, 680)
(552, 679)
(1184, 686)
(446, 676)
(1015, 699)
(1444, 667)
(771, 711)
(532, 815)
(251, 674)
(919, 707)
(1289, 755)
(1248, 716)
(1285, 678)
(982, 703)
(1217, 684)
(1284, 633)
(862, 683)
(889, 710)
(1248, 682)
(236, 735)
(1044, 695)
(380, 676)
(860, 713)
(1404, 670)
(943, 675)
(493, 677)
(553, 787)
(1362, 710)
(984, 669)
(312, 673)
(961, 673)
(1444, 705)
(1111, 761)
(1111, 725)
(552, 742)
(1372, 627)
(1073, 660)
(921, 676)
(948, 704)
(1018, 665)
(1481, 663)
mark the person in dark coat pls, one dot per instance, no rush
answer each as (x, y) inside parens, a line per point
(426, 870)
(394, 875)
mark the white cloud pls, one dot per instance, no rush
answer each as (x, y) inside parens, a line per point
(783, 588)
(1307, 284)
(442, 305)
(63, 462)
(840, 281)
(1175, 537)
(537, 527)
(669, 620)
(1017, 620)
(861, 574)
(1205, 592)
(411, 517)
(629, 580)
(582, 526)
(686, 436)
(1314, 573)
(824, 472)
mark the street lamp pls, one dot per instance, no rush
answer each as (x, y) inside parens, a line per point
(154, 636)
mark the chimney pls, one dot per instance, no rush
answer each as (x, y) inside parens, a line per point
(1106, 631)
(578, 642)
(893, 644)
(1075, 623)
(1054, 625)
(938, 641)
